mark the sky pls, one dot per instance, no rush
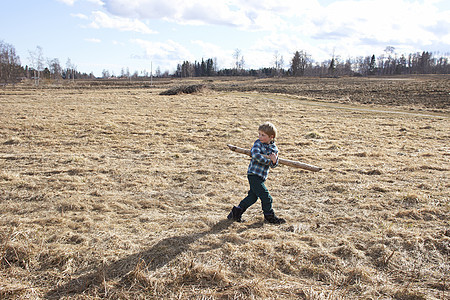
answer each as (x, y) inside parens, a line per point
(140, 35)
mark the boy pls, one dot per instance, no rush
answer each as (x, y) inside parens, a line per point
(264, 156)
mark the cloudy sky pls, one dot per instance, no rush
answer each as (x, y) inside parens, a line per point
(135, 34)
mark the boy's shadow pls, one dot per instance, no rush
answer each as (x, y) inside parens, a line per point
(156, 257)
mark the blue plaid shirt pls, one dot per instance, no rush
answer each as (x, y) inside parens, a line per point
(259, 165)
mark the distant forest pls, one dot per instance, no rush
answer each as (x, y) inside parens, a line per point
(301, 64)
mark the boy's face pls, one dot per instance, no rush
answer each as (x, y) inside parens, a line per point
(264, 137)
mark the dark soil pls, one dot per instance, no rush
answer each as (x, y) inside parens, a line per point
(431, 93)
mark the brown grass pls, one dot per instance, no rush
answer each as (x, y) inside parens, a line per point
(118, 192)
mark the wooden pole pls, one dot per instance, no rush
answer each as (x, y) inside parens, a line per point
(287, 162)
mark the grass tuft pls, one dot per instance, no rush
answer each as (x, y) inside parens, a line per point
(190, 89)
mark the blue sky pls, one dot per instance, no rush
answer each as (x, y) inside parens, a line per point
(113, 35)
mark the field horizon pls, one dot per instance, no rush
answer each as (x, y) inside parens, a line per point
(115, 191)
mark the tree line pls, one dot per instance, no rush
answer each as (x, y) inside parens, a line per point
(387, 63)
(197, 69)
(301, 64)
(40, 68)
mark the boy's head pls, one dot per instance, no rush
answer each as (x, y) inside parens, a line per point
(269, 129)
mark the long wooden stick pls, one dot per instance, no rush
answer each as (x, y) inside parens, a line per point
(287, 162)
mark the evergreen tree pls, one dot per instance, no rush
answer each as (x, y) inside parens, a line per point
(295, 64)
(332, 67)
(209, 67)
(203, 68)
(299, 63)
(372, 65)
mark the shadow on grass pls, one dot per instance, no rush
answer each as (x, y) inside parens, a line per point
(156, 257)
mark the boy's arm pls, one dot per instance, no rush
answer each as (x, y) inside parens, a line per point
(275, 157)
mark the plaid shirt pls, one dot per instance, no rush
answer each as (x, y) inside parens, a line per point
(259, 165)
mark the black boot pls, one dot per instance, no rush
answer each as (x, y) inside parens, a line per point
(272, 219)
(236, 214)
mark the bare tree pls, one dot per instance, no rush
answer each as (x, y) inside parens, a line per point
(9, 63)
(278, 62)
(55, 68)
(242, 63)
(390, 60)
(216, 66)
(105, 74)
(239, 60)
(70, 70)
(281, 63)
(37, 63)
(236, 55)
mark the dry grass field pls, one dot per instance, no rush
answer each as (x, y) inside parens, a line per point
(118, 192)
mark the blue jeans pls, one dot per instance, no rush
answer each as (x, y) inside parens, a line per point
(257, 190)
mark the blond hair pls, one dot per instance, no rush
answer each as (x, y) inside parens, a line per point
(269, 129)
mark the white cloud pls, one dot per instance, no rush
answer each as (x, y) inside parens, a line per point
(347, 26)
(68, 2)
(98, 2)
(72, 2)
(80, 16)
(93, 40)
(362, 26)
(102, 20)
(382, 20)
(208, 12)
(195, 12)
(142, 8)
(114, 42)
(169, 53)
(210, 50)
(343, 27)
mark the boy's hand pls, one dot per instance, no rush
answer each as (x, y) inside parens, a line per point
(273, 157)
